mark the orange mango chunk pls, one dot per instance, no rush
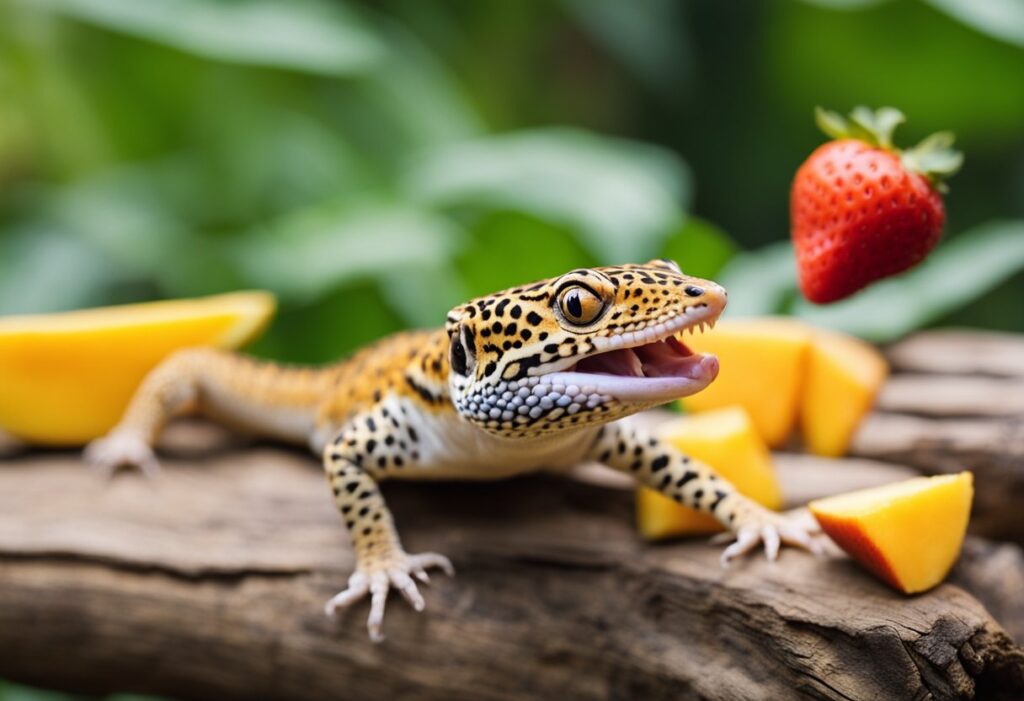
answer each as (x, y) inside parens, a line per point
(762, 370)
(726, 440)
(68, 377)
(844, 375)
(908, 533)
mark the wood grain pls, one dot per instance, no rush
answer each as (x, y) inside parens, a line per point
(209, 583)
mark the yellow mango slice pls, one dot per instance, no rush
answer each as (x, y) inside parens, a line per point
(908, 533)
(66, 378)
(762, 369)
(726, 440)
(844, 375)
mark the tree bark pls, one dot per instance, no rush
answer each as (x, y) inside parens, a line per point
(209, 583)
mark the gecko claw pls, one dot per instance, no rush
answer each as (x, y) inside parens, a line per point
(377, 579)
(773, 529)
(105, 455)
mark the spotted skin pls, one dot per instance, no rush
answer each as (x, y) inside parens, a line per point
(492, 394)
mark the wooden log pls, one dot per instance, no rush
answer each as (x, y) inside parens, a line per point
(209, 583)
(960, 352)
(953, 396)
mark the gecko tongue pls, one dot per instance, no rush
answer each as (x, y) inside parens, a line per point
(668, 358)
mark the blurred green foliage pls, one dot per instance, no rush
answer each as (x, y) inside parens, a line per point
(375, 163)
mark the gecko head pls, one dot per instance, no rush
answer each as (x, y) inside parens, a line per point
(588, 347)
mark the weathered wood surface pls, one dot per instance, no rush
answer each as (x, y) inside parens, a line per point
(956, 402)
(209, 583)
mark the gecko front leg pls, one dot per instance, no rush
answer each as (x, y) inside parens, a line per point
(662, 467)
(366, 450)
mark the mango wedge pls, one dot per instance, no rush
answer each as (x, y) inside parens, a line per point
(763, 363)
(909, 533)
(66, 378)
(727, 441)
(844, 375)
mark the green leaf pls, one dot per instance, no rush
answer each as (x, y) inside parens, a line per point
(310, 253)
(648, 37)
(303, 35)
(760, 282)
(875, 127)
(122, 213)
(622, 198)
(422, 103)
(956, 274)
(879, 124)
(507, 249)
(957, 79)
(1001, 19)
(330, 328)
(832, 123)
(700, 248)
(43, 271)
(934, 158)
(423, 296)
(845, 4)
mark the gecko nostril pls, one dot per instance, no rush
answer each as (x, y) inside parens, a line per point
(694, 291)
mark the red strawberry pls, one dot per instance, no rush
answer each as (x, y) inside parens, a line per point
(863, 210)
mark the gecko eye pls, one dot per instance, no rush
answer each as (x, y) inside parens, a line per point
(580, 306)
(459, 357)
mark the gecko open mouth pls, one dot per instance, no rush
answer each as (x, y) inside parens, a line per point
(658, 370)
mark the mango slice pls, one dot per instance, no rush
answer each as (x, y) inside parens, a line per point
(762, 369)
(844, 375)
(66, 378)
(726, 440)
(908, 533)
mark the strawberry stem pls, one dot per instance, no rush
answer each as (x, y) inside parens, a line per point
(934, 158)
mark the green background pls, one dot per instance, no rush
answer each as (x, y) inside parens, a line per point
(376, 163)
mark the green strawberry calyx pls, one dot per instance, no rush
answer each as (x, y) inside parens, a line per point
(934, 158)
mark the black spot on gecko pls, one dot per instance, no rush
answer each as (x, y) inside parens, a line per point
(719, 495)
(659, 463)
(687, 476)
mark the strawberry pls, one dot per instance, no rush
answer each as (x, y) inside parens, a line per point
(861, 209)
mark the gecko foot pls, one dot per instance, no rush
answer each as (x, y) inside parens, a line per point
(118, 449)
(377, 578)
(796, 528)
